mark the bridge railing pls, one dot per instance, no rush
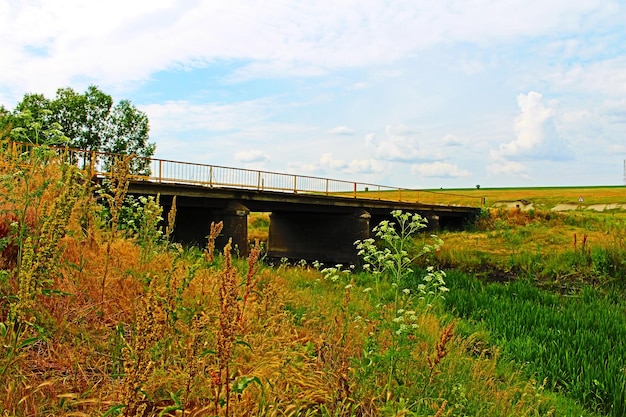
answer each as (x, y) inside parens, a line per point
(220, 176)
(167, 171)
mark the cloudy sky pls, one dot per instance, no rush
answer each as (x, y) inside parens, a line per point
(415, 93)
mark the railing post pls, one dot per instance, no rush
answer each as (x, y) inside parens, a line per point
(211, 176)
(160, 170)
(92, 164)
(258, 181)
(295, 184)
(399, 194)
(355, 190)
(326, 186)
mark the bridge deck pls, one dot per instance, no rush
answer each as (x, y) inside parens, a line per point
(267, 201)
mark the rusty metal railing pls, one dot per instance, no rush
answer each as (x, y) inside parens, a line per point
(188, 173)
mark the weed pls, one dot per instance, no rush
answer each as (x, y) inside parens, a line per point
(214, 232)
(393, 263)
(252, 279)
(117, 188)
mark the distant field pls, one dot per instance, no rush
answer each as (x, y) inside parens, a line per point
(541, 197)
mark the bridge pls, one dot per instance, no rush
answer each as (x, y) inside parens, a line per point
(311, 218)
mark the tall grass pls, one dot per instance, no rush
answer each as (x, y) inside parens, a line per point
(557, 249)
(130, 324)
(576, 342)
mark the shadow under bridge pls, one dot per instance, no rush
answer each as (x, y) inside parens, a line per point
(306, 226)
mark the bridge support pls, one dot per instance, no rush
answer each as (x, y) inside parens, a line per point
(433, 222)
(327, 237)
(193, 225)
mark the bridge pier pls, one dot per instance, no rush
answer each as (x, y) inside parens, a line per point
(318, 236)
(193, 224)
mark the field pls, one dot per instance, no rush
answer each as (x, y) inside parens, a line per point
(102, 315)
(544, 198)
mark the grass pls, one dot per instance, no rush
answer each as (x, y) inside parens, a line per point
(542, 197)
(552, 248)
(124, 322)
(574, 343)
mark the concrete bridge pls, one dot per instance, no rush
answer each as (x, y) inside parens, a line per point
(311, 218)
(302, 226)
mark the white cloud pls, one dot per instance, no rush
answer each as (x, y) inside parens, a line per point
(252, 155)
(536, 133)
(452, 140)
(439, 169)
(607, 76)
(617, 149)
(400, 144)
(298, 167)
(121, 43)
(357, 86)
(422, 68)
(180, 116)
(502, 167)
(340, 130)
(328, 164)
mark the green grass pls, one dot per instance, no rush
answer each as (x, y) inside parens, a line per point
(576, 341)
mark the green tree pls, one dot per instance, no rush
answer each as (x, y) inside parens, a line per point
(83, 117)
(87, 121)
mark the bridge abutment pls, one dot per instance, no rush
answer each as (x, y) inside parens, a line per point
(192, 226)
(311, 236)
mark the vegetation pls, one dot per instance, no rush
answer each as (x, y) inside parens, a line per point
(549, 287)
(576, 343)
(100, 314)
(542, 198)
(87, 121)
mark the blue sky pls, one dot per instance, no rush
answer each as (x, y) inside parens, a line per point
(417, 94)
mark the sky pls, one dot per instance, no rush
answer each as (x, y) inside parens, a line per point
(416, 93)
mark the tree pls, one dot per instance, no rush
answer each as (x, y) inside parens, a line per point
(86, 121)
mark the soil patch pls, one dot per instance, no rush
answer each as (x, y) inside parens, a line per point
(523, 205)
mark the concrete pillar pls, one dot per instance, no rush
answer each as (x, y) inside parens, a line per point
(433, 222)
(324, 237)
(193, 225)
(235, 218)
